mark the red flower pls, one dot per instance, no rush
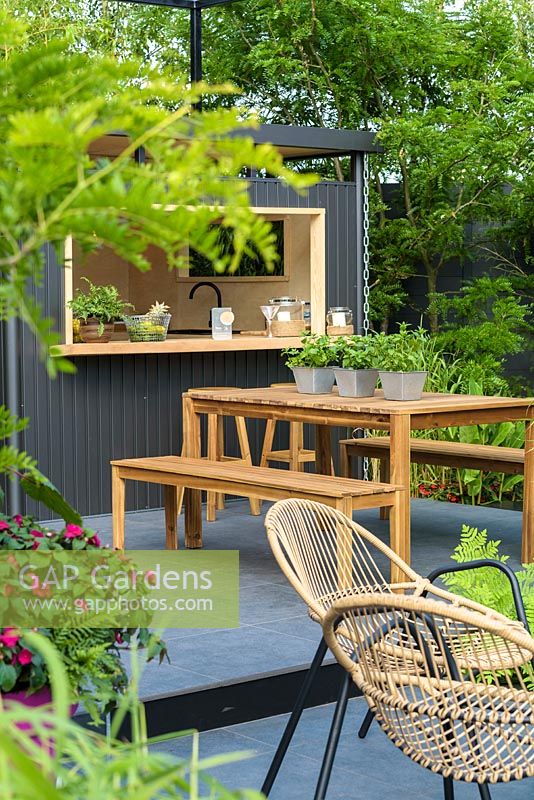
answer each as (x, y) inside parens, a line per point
(37, 533)
(24, 657)
(118, 637)
(73, 531)
(95, 540)
(9, 637)
(18, 519)
(452, 498)
(4, 526)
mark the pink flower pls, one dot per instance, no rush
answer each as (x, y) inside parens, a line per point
(118, 637)
(35, 532)
(95, 540)
(73, 531)
(18, 519)
(4, 526)
(24, 657)
(9, 637)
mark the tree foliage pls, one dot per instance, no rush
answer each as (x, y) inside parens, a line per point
(447, 86)
(56, 100)
(54, 103)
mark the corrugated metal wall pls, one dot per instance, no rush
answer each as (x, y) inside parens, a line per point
(119, 406)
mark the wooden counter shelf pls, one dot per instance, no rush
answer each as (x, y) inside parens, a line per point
(182, 344)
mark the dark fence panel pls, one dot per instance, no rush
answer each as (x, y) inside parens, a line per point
(130, 406)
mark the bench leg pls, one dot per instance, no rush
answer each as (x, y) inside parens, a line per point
(171, 514)
(344, 461)
(384, 478)
(118, 500)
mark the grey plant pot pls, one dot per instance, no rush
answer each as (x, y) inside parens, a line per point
(402, 385)
(314, 380)
(356, 382)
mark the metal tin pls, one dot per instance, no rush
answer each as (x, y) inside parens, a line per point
(356, 382)
(402, 385)
(314, 380)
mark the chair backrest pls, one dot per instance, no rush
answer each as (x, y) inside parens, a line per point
(324, 554)
(442, 681)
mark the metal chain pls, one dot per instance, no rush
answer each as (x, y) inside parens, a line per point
(365, 195)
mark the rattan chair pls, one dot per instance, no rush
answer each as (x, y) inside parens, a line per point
(430, 672)
(327, 557)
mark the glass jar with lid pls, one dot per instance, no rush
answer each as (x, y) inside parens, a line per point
(289, 308)
(339, 316)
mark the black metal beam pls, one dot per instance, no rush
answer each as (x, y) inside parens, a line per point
(195, 48)
(242, 700)
(180, 3)
(163, 3)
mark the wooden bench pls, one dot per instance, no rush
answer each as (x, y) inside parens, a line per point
(263, 483)
(510, 460)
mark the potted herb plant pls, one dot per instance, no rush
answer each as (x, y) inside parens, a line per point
(399, 358)
(356, 377)
(97, 310)
(312, 364)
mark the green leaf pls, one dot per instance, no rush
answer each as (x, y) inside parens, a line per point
(8, 676)
(43, 491)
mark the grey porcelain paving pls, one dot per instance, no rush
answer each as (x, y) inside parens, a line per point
(276, 633)
(275, 630)
(372, 769)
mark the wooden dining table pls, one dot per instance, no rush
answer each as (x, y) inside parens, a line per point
(399, 418)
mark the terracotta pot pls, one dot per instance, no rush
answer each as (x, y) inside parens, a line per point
(89, 331)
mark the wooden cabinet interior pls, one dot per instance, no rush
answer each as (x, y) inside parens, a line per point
(304, 277)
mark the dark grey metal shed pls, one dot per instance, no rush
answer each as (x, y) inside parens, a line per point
(130, 405)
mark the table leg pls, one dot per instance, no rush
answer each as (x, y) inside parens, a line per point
(399, 520)
(192, 497)
(323, 450)
(171, 514)
(527, 541)
(118, 501)
(213, 455)
(244, 449)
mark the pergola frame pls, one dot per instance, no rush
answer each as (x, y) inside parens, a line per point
(195, 8)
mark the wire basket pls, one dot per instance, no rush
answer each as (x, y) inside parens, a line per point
(147, 327)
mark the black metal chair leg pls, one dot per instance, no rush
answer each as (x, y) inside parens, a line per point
(448, 788)
(333, 738)
(484, 791)
(293, 719)
(366, 724)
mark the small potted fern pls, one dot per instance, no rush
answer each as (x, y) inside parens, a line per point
(97, 310)
(312, 364)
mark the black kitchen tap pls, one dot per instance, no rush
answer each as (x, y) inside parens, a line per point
(215, 289)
